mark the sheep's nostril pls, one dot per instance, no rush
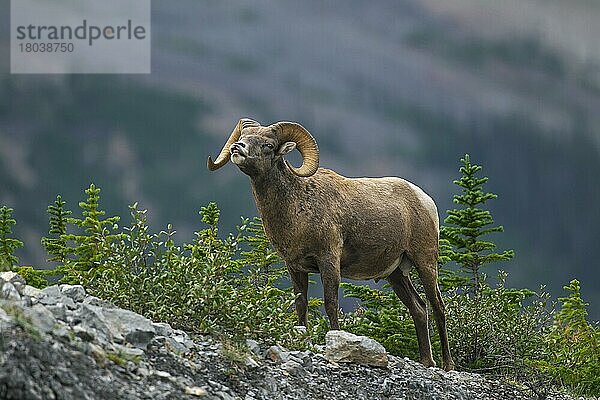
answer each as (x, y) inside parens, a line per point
(237, 147)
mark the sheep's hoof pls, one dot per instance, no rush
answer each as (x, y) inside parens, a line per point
(428, 362)
(448, 366)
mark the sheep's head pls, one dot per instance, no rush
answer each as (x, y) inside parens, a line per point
(255, 149)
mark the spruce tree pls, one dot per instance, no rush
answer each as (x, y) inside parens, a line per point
(462, 237)
(56, 244)
(8, 245)
(92, 245)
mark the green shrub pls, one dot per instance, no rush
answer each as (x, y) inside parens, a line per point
(503, 326)
(33, 277)
(573, 346)
(225, 286)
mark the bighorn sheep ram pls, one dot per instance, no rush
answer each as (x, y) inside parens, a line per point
(357, 228)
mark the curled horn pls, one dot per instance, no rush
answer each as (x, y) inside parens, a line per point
(305, 143)
(225, 154)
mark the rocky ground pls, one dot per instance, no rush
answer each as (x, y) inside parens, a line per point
(60, 343)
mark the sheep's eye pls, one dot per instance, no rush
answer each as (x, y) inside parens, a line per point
(268, 146)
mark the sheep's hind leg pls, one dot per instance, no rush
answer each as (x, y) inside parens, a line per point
(435, 298)
(300, 283)
(427, 271)
(417, 308)
(330, 277)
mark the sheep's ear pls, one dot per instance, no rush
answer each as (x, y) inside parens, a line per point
(286, 148)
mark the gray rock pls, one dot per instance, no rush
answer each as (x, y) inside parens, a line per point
(69, 303)
(134, 328)
(52, 295)
(53, 291)
(253, 346)
(12, 277)
(225, 396)
(59, 310)
(41, 317)
(195, 391)
(162, 328)
(74, 292)
(293, 368)
(174, 345)
(9, 292)
(62, 332)
(277, 354)
(94, 301)
(129, 351)
(182, 339)
(98, 354)
(72, 362)
(157, 343)
(32, 293)
(162, 374)
(251, 363)
(5, 319)
(19, 286)
(304, 358)
(85, 334)
(343, 346)
(139, 337)
(91, 317)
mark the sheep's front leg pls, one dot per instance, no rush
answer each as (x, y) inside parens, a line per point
(300, 283)
(330, 277)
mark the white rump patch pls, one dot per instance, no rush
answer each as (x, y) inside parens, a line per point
(428, 202)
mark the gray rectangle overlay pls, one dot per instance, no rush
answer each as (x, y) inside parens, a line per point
(80, 36)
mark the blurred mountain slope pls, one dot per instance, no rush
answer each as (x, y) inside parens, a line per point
(398, 88)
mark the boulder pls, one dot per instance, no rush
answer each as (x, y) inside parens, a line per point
(277, 354)
(9, 292)
(113, 324)
(90, 318)
(346, 347)
(41, 318)
(12, 277)
(33, 292)
(293, 368)
(74, 292)
(134, 328)
(162, 328)
(51, 295)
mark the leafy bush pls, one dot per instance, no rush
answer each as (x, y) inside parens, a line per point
(502, 332)
(572, 347)
(233, 286)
